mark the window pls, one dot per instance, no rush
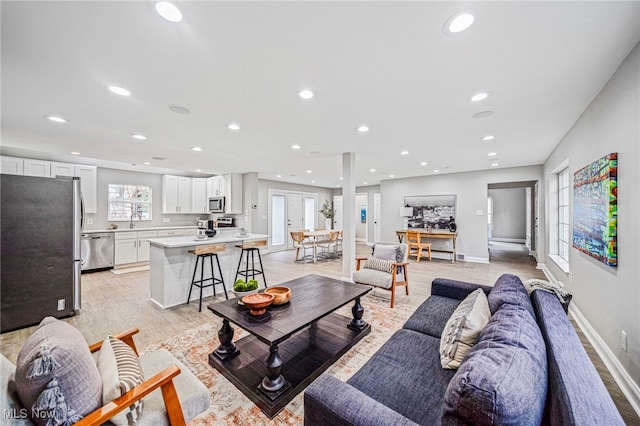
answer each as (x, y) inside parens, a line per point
(128, 200)
(309, 213)
(563, 215)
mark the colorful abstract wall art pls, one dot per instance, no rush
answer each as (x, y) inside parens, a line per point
(595, 209)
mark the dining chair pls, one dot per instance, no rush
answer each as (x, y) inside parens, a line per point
(416, 245)
(300, 242)
(328, 244)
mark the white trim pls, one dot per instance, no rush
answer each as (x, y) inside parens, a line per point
(508, 240)
(628, 387)
(562, 264)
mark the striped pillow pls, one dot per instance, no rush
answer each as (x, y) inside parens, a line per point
(379, 264)
(120, 372)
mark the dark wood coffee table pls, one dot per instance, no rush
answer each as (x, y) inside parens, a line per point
(292, 344)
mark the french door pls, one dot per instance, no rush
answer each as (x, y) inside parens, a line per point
(290, 211)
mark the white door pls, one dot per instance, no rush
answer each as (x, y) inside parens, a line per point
(278, 224)
(376, 217)
(295, 215)
(337, 205)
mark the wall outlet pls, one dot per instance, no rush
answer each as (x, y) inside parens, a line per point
(623, 340)
(479, 212)
(61, 304)
(166, 219)
(89, 221)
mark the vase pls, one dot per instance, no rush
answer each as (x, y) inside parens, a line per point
(327, 224)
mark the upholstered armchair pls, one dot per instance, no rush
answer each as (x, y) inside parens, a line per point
(386, 268)
(53, 361)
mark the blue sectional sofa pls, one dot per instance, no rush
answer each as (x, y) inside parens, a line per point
(527, 367)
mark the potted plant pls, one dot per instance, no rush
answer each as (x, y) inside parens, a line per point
(242, 288)
(328, 214)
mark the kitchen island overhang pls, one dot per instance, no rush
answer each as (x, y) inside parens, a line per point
(171, 266)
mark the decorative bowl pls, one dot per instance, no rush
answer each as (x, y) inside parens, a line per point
(241, 294)
(281, 294)
(258, 302)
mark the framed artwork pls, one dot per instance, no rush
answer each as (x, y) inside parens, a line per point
(435, 211)
(595, 209)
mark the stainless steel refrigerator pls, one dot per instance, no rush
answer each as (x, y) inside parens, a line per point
(41, 223)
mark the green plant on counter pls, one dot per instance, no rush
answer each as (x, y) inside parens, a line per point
(241, 285)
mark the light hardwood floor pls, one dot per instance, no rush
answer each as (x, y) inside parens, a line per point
(112, 303)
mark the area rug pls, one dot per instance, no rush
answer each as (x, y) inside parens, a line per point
(128, 270)
(229, 406)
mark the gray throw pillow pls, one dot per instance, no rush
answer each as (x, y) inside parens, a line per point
(390, 252)
(56, 376)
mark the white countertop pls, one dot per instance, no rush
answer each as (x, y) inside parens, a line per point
(127, 229)
(190, 241)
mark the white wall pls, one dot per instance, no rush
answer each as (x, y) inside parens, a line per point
(509, 213)
(608, 297)
(471, 191)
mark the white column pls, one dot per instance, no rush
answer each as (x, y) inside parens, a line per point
(348, 218)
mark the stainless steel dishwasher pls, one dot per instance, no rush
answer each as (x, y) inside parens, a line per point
(97, 251)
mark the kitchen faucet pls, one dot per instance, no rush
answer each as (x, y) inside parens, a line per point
(133, 214)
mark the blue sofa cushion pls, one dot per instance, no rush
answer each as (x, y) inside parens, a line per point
(405, 375)
(432, 315)
(509, 289)
(503, 379)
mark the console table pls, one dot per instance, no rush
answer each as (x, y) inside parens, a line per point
(424, 234)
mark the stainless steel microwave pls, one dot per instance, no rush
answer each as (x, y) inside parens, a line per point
(216, 205)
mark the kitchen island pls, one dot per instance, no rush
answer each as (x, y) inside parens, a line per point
(171, 266)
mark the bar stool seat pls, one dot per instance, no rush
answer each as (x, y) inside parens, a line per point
(249, 248)
(207, 252)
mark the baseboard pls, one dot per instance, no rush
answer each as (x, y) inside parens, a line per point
(474, 259)
(508, 240)
(628, 387)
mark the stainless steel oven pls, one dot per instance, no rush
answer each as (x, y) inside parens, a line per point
(216, 205)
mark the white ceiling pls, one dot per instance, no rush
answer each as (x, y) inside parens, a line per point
(385, 64)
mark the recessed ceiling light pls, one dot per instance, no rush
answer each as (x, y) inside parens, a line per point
(198, 170)
(488, 138)
(392, 176)
(436, 171)
(196, 148)
(179, 109)
(365, 183)
(372, 170)
(495, 164)
(313, 181)
(363, 128)
(55, 119)
(233, 126)
(341, 178)
(337, 185)
(424, 163)
(482, 114)
(119, 91)
(458, 23)
(168, 11)
(295, 146)
(309, 171)
(158, 158)
(404, 152)
(306, 94)
(479, 97)
(278, 176)
(75, 153)
(492, 154)
(139, 137)
(146, 163)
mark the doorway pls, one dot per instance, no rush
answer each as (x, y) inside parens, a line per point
(290, 211)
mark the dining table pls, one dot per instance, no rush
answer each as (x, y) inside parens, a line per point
(315, 237)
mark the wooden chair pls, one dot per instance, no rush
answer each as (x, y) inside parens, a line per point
(399, 276)
(300, 242)
(416, 245)
(329, 244)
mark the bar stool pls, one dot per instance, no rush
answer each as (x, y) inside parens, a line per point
(249, 248)
(203, 252)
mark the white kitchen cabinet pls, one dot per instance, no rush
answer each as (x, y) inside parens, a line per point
(216, 186)
(12, 165)
(191, 232)
(200, 200)
(126, 247)
(233, 193)
(176, 194)
(62, 169)
(143, 248)
(88, 186)
(170, 233)
(37, 168)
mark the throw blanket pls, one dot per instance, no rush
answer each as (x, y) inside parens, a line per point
(562, 294)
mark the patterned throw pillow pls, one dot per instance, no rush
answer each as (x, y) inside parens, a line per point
(379, 264)
(463, 328)
(120, 371)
